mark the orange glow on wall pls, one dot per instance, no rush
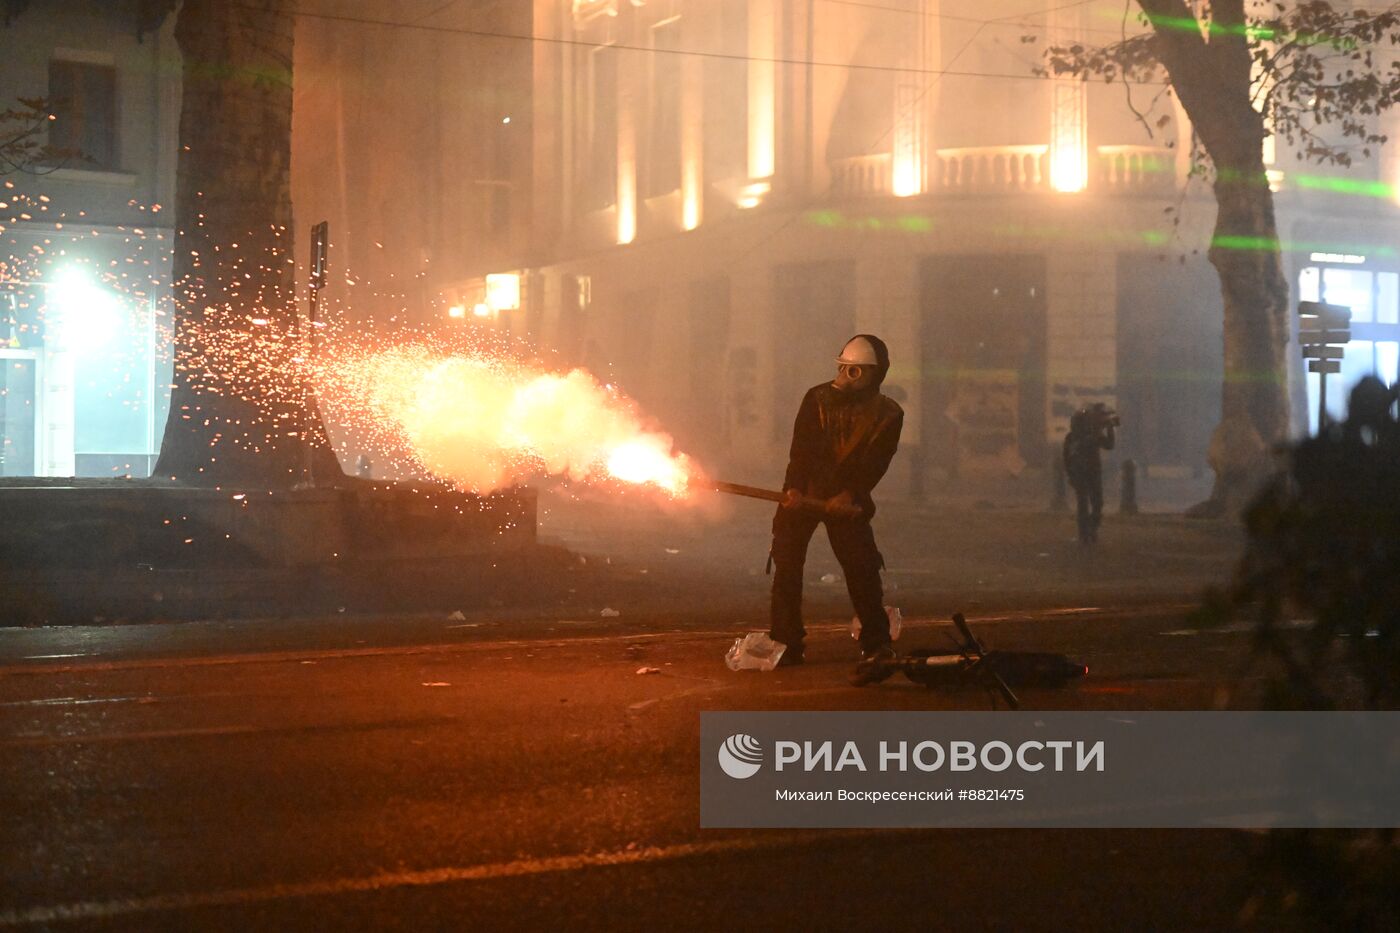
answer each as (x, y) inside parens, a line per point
(692, 143)
(762, 88)
(1069, 145)
(626, 178)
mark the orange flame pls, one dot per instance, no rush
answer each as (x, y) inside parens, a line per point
(484, 422)
(644, 461)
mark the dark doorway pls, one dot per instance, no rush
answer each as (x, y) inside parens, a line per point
(983, 362)
(1170, 354)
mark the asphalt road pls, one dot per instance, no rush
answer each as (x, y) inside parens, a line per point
(484, 773)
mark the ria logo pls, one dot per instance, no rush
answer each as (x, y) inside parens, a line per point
(740, 756)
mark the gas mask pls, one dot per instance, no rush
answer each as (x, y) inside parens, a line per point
(856, 367)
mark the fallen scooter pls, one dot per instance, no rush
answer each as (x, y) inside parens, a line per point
(971, 664)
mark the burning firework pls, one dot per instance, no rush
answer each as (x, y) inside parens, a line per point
(482, 420)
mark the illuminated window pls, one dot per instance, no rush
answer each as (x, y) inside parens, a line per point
(19, 395)
(1387, 361)
(503, 291)
(1350, 287)
(1309, 284)
(1374, 300)
(1387, 298)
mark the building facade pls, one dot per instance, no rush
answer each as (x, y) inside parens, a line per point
(411, 138)
(726, 190)
(85, 241)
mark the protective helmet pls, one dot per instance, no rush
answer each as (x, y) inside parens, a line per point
(858, 352)
(867, 350)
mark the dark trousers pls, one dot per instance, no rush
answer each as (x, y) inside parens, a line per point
(853, 542)
(1089, 510)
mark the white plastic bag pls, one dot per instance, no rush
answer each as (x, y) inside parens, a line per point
(896, 623)
(754, 652)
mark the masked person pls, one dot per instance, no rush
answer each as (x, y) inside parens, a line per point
(1090, 430)
(842, 442)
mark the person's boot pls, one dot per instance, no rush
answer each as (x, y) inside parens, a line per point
(792, 656)
(874, 666)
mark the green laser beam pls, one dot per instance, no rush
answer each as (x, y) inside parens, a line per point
(1250, 31)
(1258, 244)
(920, 223)
(1353, 186)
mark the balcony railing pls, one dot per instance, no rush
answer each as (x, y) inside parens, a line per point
(991, 170)
(1136, 169)
(1140, 170)
(861, 176)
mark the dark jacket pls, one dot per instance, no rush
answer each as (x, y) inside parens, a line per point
(843, 442)
(1083, 466)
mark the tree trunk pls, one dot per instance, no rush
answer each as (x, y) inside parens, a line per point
(237, 411)
(1254, 395)
(1212, 80)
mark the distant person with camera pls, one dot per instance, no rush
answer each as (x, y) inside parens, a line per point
(1091, 430)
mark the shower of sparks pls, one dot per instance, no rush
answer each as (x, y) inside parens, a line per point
(464, 405)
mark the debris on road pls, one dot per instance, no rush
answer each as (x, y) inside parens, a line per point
(648, 670)
(829, 578)
(610, 613)
(754, 652)
(673, 550)
(437, 683)
(456, 616)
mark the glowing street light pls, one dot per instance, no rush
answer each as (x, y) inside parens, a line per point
(88, 316)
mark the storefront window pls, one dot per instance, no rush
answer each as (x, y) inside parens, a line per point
(1387, 298)
(1308, 283)
(84, 387)
(1374, 300)
(1350, 287)
(1388, 361)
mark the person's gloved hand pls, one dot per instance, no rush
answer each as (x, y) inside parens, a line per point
(791, 499)
(842, 505)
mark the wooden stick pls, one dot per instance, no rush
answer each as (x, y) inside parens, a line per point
(752, 492)
(806, 503)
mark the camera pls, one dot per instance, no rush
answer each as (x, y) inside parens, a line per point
(1101, 416)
